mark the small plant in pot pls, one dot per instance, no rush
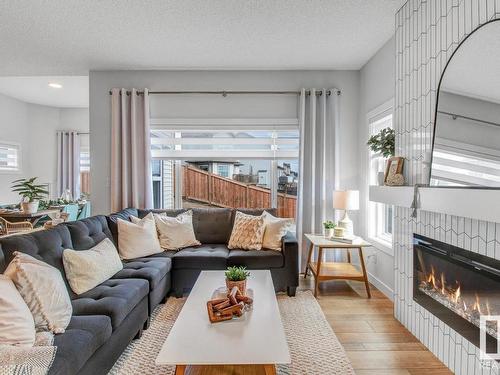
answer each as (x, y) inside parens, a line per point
(383, 143)
(237, 276)
(31, 193)
(329, 228)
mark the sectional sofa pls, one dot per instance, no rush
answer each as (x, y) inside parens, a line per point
(107, 318)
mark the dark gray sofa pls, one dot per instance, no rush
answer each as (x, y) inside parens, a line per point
(107, 318)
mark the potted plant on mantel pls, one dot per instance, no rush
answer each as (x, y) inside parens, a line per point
(382, 143)
(237, 276)
(30, 192)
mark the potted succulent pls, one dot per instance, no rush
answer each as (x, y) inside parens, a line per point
(237, 276)
(382, 143)
(329, 228)
(31, 193)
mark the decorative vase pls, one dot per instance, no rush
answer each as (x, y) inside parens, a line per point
(30, 207)
(328, 232)
(241, 285)
(380, 178)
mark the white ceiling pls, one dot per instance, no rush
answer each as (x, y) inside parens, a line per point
(474, 70)
(71, 37)
(74, 92)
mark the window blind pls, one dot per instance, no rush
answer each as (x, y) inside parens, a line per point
(9, 157)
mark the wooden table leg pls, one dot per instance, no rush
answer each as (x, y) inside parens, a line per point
(365, 275)
(318, 271)
(270, 369)
(180, 369)
(348, 255)
(309, 256)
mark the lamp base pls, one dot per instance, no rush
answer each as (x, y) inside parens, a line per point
(347, 224)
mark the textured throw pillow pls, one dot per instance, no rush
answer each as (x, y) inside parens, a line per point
(176, 232)
(248, 231)
(138, 238)
(44, 291)
(17, 326)
(86, 269)
(275, 229)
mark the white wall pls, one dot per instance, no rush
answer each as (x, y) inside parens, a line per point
(34, 127)
(102, 81)
(376, 88)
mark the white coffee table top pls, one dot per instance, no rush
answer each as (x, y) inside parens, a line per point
(255, 338)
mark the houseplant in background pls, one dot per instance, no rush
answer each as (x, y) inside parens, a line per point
(382, 143)
(237, 276)
(31, 193)
(329, 228)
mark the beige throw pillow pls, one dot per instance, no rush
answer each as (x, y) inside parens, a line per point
(17, 326)
(248, 231)
(138, 238)
(44, 291)
(85, 269)
(275, 229)
(176, 232)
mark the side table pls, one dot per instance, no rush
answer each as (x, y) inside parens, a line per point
(324, 271)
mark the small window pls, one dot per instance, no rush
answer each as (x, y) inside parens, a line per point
(10, 157)
(380, 216)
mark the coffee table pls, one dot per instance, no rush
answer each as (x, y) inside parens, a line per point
(257, 338)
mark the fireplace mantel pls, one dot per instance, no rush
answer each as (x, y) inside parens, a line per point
(480, 204)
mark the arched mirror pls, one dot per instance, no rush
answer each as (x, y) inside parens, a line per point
(466, 149)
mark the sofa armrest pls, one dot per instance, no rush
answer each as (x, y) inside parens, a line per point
(290, 249)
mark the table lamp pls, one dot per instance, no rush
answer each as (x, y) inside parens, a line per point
(346, 200)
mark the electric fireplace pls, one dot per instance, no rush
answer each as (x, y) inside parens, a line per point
(457, 286)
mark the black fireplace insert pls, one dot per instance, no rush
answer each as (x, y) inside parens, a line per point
(457, 286)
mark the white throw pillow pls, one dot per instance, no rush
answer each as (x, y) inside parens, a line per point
(138, 238)
(44, 291)
(176, 232)
(17, 326)
(85, 269)
(275, 229)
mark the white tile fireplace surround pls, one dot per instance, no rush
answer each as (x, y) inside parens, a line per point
(427, 32)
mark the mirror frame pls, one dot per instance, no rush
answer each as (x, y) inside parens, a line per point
(438, 91)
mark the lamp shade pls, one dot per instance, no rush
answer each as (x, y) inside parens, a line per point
(346, 199)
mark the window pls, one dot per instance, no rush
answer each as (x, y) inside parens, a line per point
(84, 164)
(379, 215)
(239, 163)
(10, 157)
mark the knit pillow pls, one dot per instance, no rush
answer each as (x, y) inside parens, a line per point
(248, 231)
(44, 291)
(85, 269)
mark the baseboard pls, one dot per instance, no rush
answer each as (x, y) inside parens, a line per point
(380, 285)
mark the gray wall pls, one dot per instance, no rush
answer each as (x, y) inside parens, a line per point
(34, 127)
(100, 118)
(376, 88)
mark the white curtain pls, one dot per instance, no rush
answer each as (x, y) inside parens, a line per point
(319, 124)
(131, 181)
(68, 163)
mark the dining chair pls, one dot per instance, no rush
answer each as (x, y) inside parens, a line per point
(85, 211)
(8, 227)
(72, 211)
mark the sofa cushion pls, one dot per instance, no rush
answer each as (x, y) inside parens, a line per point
(87, 233)
(115, 298)
(113, 220)
(47, 245)
(207, 257)
(152, 269)
(256, 259)
(211, 225)
(84, 335)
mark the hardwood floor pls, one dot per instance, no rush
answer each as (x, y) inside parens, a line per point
(375, 342)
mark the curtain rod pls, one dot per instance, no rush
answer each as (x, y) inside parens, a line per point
(455, 116)
(229, 92)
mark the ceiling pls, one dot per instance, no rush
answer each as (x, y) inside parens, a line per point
(73, 93)
(474, 69)
(71, 37)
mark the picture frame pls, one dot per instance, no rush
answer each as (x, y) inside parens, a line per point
(394, 166)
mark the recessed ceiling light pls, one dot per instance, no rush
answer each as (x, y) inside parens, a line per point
(55, 85)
